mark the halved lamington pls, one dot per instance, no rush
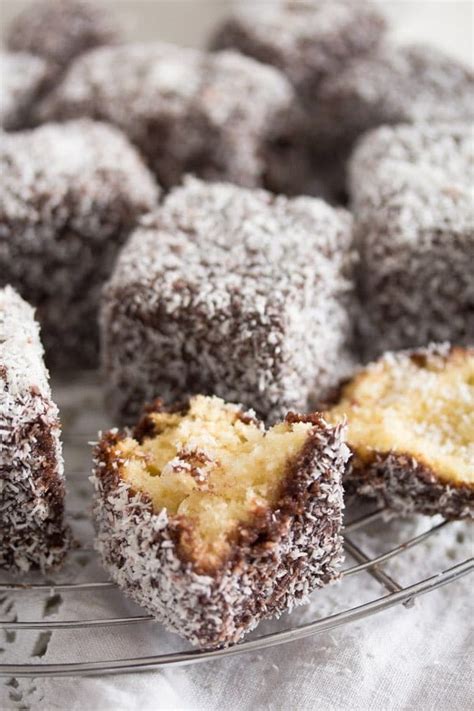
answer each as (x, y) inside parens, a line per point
(230, 292)
(411, 430)
(32, 530)
(213, 523)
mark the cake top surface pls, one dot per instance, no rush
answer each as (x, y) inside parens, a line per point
(163, 78)
(234, 243)
(21, 352)
(59, 30)
(423, 173)
(78, 166)
(21, 75)
(401, 84)
(419, 404)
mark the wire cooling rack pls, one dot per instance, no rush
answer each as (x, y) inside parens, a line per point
(363, 564)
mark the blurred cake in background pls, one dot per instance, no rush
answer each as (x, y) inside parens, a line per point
(69, 196)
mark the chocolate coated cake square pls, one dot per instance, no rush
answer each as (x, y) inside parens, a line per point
(411, 189)
(307, 40)
(22, 78)
(187, 111)
(69, 196)
(406, 84)
(32, 530)
(231, 292)
(60, 30)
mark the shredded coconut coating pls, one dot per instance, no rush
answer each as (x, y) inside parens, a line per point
(60, 30)
(412, 195)
(22, 77)
(298, 550)
(306, 40)
(187, 111)
(404, 84)
(403, 481)
(69, 196)
(231, 292)
(32, 531)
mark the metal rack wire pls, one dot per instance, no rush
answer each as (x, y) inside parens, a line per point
(395, 594)
(365, 564)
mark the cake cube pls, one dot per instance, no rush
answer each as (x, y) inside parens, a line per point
(308, 40)
(405, 84)
(187, 111)
(69, 196)
(60, 30)
(232, 292)
(22, 78)
(32, 530)
(411, 189)
(212, 523)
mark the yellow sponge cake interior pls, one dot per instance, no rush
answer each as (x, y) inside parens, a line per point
(420, 405)
(212, 467)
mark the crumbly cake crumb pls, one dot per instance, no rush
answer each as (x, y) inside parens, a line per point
(411, 430)
(212, 523)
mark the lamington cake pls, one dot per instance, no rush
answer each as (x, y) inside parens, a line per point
(69, 196)
(187, 111)
(213, 523)
(308, 40)
(32, 530)
(60, 30)
(411, 189)
(410, 422)
(405, 84)
(230, 292)
(22, 77)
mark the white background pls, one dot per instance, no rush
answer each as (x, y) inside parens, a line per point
(448, 23)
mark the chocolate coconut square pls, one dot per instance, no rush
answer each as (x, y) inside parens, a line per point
(32, 530)
(22, 78)
(70, 195)
(404, 84)
(232, 292)
(307, 40)
(187, 111)
(60, 30)
(213, 523)
(411, 190)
